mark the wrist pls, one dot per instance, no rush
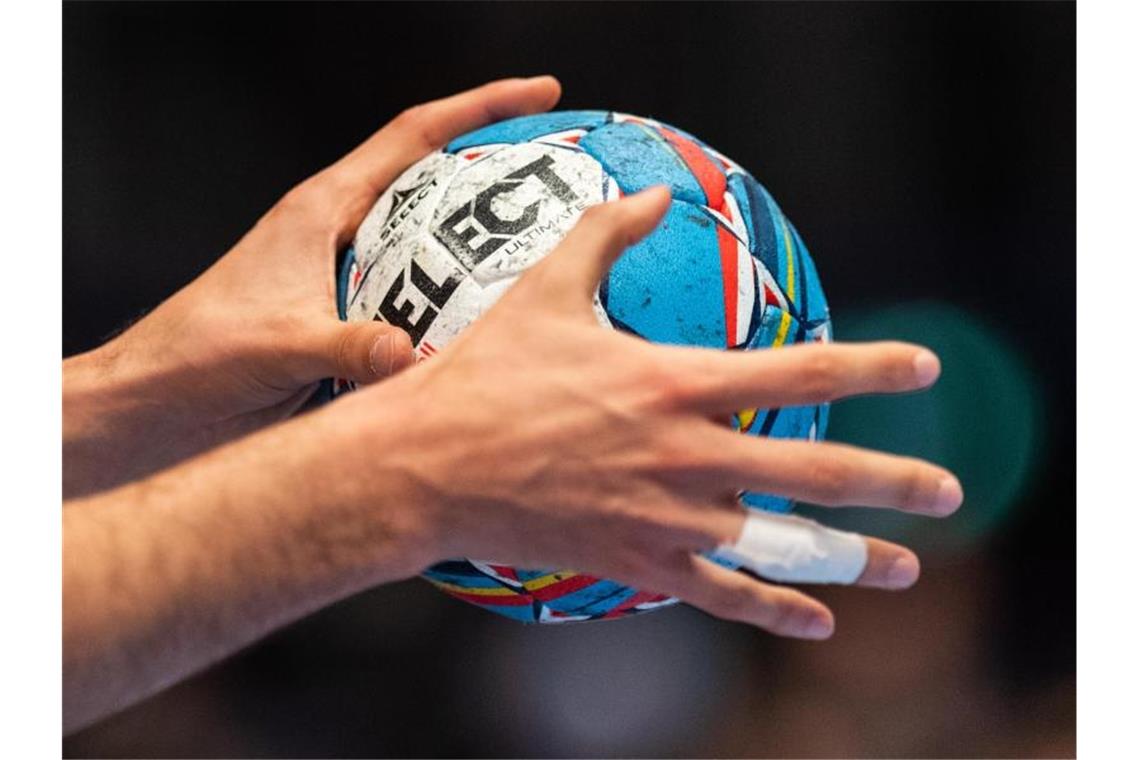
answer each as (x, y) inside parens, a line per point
(360, 465)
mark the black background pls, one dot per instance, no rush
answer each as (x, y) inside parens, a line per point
(926, 151)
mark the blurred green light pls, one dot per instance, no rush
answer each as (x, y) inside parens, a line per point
(981, 420)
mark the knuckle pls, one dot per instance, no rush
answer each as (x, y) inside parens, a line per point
(895, 367)
(411, 117)
(678, 389)
(707, 538)
(831, 478)
(299, 199)
(633, 519)
(416, 124)
(309, 203)
(681, 530)
(630, 564)
(612, 222)
(667, 391)
(735, 602)
(668, 386)
(402, 343)
(330, 185)
(343, 351)
(277, 337)
(673, 562)
(284, 323)
(597, 217)
(824, 373)
(914, 488)
(675, 453)
(783, 616)
(624, 518)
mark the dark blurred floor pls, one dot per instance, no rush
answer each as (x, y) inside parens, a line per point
(925, 151)
(404, 671)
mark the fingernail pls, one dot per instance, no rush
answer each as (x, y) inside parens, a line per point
(382, 355)
(949, 496)
(926, 367)
(903, 572)
(818, 628)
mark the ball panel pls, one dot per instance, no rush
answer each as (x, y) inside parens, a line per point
(757, 213)
(597, 599)
(388, 239)
(524, 128)
(452, 234)
(669, 287)
(539, 595)
(637, 156)
(445, 298)
(778, 246)
(503, 213)
(405, 205)
(464, 580)
(779, 328)
(813, 305)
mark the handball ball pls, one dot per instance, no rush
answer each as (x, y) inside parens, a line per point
(725, 270)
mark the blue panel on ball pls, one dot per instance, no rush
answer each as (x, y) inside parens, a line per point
(794, 422)
(668, 287)
(523, 613)
(596, 599)
(767, 502)
(823, 414)
(637, 157)
(526, 128)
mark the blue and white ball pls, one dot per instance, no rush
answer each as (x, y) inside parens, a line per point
(725, 269)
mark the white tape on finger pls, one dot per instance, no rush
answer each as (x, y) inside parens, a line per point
(793, 549)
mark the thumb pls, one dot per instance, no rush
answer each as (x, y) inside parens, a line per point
(601, 235)
(363, 352)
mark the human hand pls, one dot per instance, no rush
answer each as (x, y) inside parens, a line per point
(539, 438)
(247, 342)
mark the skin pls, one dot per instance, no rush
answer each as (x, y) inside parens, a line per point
(245, 344)
(577, 446)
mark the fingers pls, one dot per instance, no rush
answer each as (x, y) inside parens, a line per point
(427, 127)
(793, 549)
(785, 553)
(889, 566)
(735, 596)
(363, 352)
(575, 267)
(778, 547)
(831, 474)
(800, 375)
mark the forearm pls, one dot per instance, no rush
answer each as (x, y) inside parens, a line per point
(116, 425)
(166, 576)
(137, 405)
